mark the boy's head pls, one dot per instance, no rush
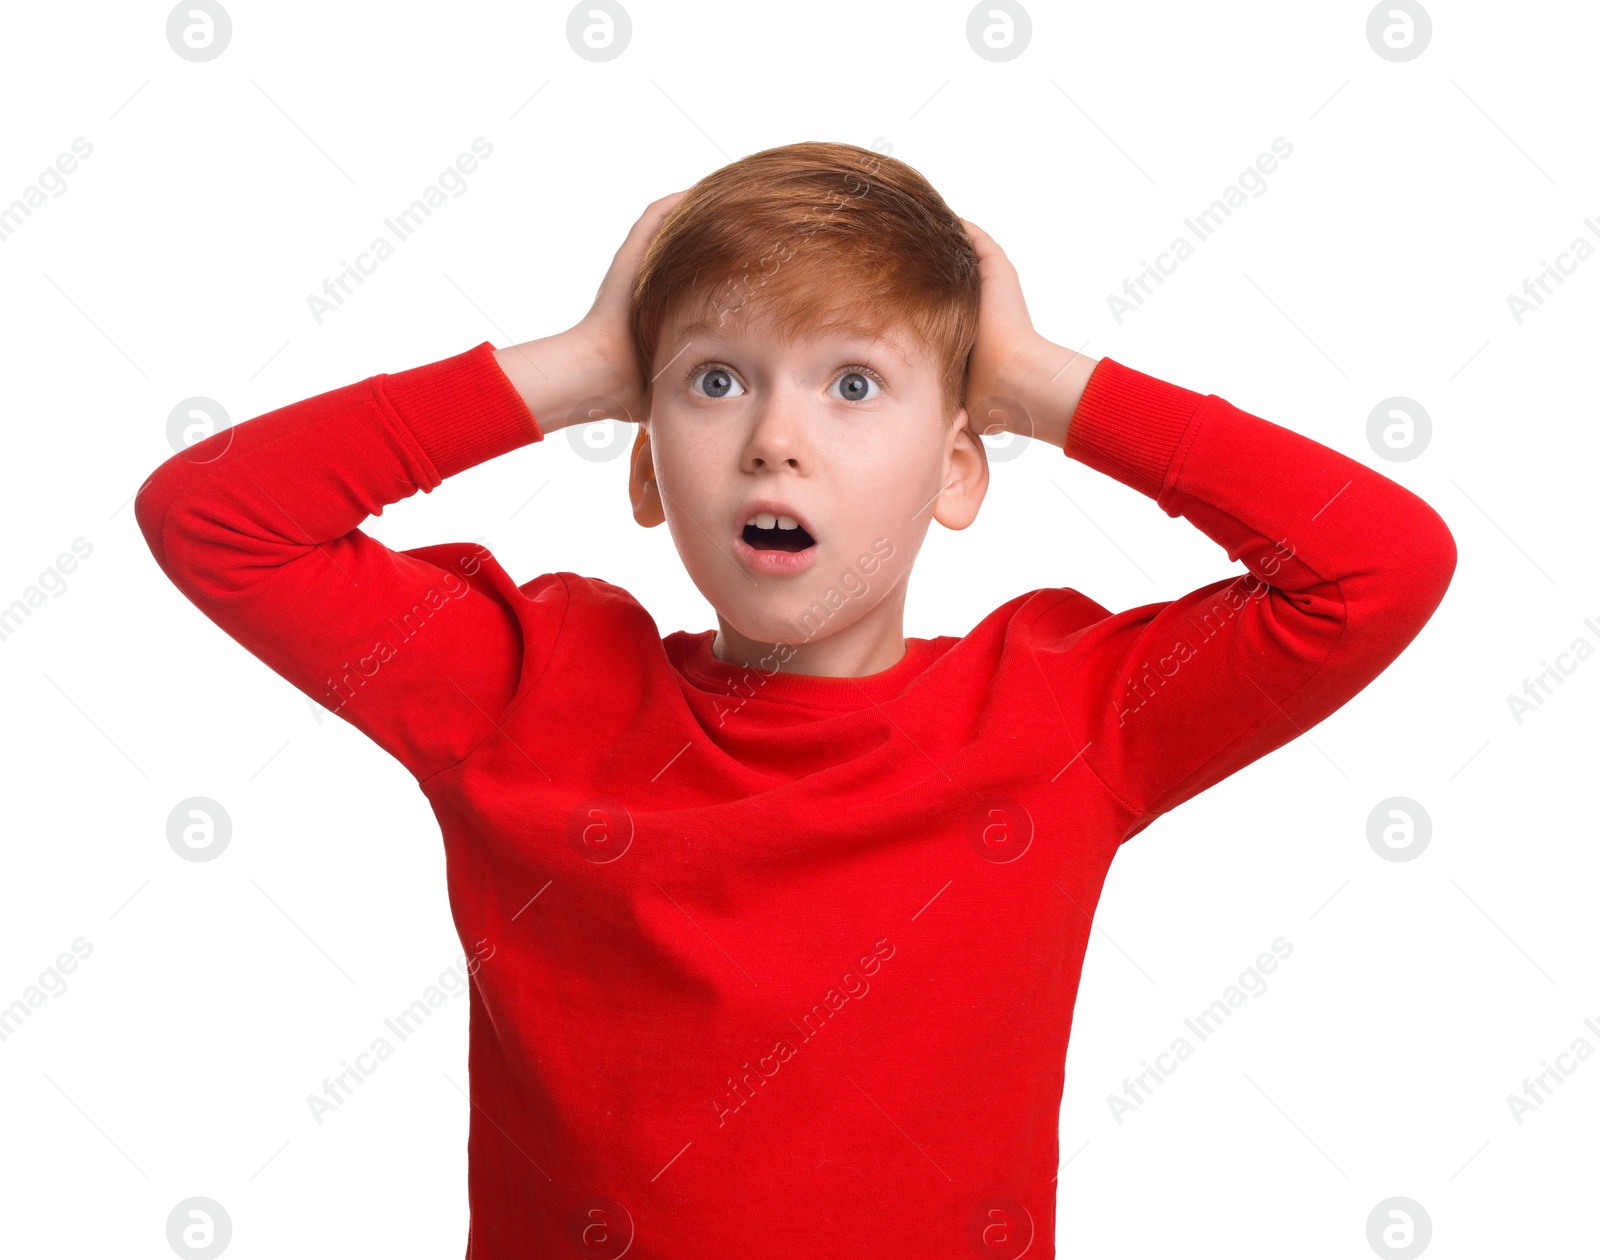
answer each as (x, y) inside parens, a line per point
(803, 317)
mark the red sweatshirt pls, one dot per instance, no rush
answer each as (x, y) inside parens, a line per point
(776, 965)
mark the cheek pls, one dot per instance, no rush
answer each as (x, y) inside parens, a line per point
(882, 499)
(692, 465)
(693, 488)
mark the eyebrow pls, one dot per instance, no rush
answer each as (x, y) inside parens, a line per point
(699, 326)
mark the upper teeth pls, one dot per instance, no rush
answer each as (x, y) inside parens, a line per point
(766, 520)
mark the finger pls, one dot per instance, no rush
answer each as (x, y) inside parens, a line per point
(661, 206)
(990, 256)
(645, 227)
(646, 224)
(984, 245)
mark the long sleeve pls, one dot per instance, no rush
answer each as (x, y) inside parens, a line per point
(421, 650)
(1345, 568)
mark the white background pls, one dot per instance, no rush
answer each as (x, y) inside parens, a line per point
(177, 263)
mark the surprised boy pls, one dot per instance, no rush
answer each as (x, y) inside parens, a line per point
(781, 923)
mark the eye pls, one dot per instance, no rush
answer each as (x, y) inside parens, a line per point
(855, 382)
(719, 382)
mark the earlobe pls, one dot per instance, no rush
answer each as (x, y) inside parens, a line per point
(643, 492)
(966, 482)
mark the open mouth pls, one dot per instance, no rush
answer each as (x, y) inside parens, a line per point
(766, 532)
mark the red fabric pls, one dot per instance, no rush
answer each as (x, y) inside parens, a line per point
(783, 966)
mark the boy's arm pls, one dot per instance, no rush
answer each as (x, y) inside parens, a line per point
(1345, 567)
(257, 525)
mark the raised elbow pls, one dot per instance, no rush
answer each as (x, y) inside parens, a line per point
(1410, 584)
(1430, 557)
(150, 504)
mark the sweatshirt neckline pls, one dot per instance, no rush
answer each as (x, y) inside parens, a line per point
(771, 682)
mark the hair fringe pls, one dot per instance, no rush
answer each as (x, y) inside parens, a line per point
(815, 236)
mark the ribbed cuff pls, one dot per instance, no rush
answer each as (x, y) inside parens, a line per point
(1129, 425)
(462, 410)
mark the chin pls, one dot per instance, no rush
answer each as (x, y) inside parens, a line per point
(763, 621)
(791, 618)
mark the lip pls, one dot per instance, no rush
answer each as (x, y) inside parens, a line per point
(777, 562)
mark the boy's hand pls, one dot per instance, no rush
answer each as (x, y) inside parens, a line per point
(1017, 380)
(605, 327)
(590, 371)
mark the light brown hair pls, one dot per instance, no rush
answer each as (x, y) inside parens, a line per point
(815, 236)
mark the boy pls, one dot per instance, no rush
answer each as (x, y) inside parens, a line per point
(787, 917)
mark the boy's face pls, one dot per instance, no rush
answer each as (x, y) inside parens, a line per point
(838, 431)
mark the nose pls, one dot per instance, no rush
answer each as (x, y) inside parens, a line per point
(778, 430)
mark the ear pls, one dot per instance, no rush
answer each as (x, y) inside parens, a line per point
(966, 477)
(642, 489)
